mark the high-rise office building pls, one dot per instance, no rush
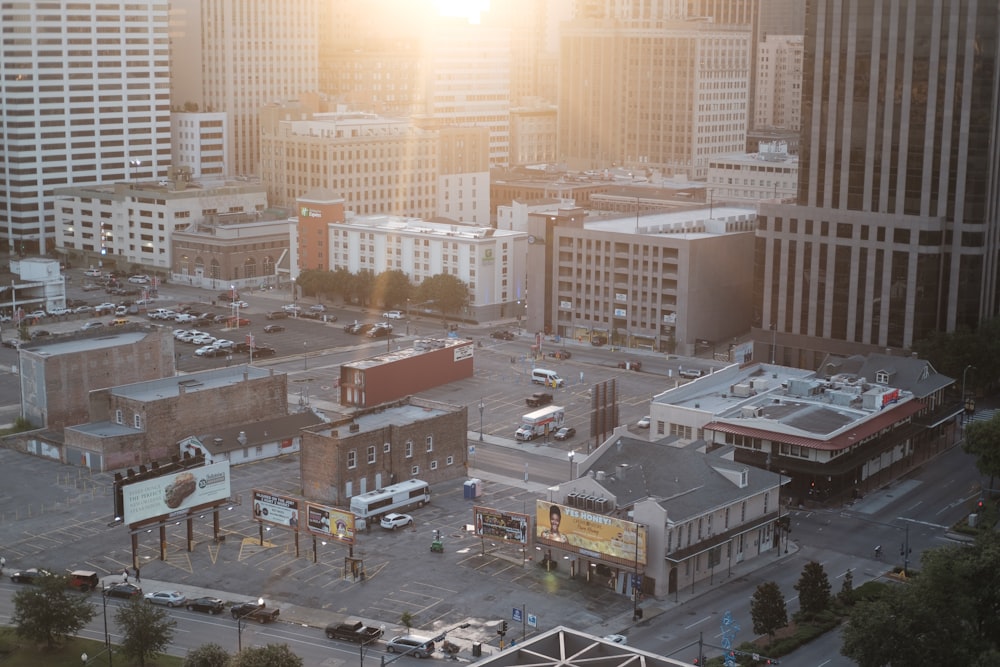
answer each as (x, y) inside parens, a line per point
(895, 234)
(86, 99)
(655, 85)
(254, 52)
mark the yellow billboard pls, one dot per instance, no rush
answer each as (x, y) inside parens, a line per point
(589, 533)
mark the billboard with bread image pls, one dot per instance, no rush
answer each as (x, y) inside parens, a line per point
(174, 493)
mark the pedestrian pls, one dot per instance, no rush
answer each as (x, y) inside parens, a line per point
(138, 579)
(125, 576)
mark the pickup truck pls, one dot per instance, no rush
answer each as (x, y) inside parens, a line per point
(253, 611)
(357, 632)
(538, 399)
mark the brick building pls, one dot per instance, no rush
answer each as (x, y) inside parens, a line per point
(142, 422)
(58, 375)
(412, 438)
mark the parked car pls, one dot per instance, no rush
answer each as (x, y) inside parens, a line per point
(273, 328)
(379, 332)
(83, 309)
(40, 333)
(210, 351)
(393, 315)
(317, 308)
(185, 318)
(352, 328)
(96, 273)
(92, 325)
(168, 598)
(123, 590)
(538, 399)
(208, 605)
(597, 341)
(264, 351)
(561, 354)
(36, 314)
(565, 433)
(356, 632)
(254, 611)
(292, 308)
(224, 344)
(364, 328)
(60, 311)
(238, 304)
(203, 339)
(392, 521)
(502, 335)
(420, 647)
(690, 373)
(277, 315)
(644, 422)
(29, 576)
(238, 322)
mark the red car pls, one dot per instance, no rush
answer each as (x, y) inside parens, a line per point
(237, 322)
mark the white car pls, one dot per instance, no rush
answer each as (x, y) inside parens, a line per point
(36, 314)
(223, 344)
(318, 308)
(95, 273)
(60, 311)
(393, 521)
(292, 308)
(209, 351)
(239, 304)
(203, 339)
(185, 318)
(105, 307)
(644, 422)
(168, 598)
(393, 315)
(83, 309)
(92, 325)
(138, 280)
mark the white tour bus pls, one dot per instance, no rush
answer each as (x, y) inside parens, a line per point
(373, 505)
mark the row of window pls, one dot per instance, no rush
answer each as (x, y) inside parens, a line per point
(372, 452)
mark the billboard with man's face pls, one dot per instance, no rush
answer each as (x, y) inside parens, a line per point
(279, 510)
(589, 533)
(330, 523)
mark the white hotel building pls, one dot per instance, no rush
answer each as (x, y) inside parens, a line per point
(491, 262)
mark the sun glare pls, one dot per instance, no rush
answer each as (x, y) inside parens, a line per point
(470, 9)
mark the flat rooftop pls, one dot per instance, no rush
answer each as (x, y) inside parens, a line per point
(706, 221)
(152, 390)
(111, 337)
(420, 346)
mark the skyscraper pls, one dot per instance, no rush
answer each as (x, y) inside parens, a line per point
(895, 234)
(255, 52)
(660, 84)
(86, 99)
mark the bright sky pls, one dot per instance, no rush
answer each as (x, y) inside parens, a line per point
(467, 8)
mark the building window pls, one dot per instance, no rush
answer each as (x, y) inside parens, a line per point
(727, 519)
(119, 417)
(449, 461)
(409, 449)
(137, 420)
(430, 443)
(743, 512)
(386, 448)
(352, 459)
(414, 470)
(260, 450)
(434, 465)
(371, 454)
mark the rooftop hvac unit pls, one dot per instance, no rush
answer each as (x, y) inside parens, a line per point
(591, 502)
(601, 505)
(572, 499)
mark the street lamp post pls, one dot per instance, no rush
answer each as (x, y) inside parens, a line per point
(240, 620)
(572, 455)
(964, 407)
(482, 406)
(305, 356)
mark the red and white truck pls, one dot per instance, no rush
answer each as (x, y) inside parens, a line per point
(546, 420)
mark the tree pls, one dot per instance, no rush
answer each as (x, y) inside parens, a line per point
(767, 609)
(814, 589)
(446, 291)
(407, 620)
(272, 655)
(207, 655)
(49, 612)
(146, 630)
(392, 288)
(847, 588)
(947, 615)
(362, 286)
(982, 440)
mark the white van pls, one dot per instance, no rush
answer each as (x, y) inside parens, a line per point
(547, 378)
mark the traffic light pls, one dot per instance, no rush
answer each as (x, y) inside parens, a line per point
(502, 630)
(980, 504)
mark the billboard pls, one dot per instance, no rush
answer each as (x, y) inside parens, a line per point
(329, 522)
(508, 526)
(589, 533)
(279, 510)
(173, 494)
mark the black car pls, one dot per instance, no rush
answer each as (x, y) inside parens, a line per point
(565, 433)
(561, 354)
(263, 351)
(208, 605)
(40, 333)
(29, 576)
(352, 328)
(379, 332)
(273, 328)
(125, 591)
(502, 335)
(276, 315)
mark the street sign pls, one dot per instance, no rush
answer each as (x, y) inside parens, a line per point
(472, 449)
(532, 621)
(515, 615)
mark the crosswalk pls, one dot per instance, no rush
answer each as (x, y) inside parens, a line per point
(982, 415)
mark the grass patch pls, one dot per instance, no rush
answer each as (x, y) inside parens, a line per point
(16, 652)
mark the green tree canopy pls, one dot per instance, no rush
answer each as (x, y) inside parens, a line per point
(949, 615)
(49, 612)
(272, 655)
(814, 589)
(982, 440)
(445, 291)
(207, 655)
(767, 609)
(147, 630)
(391, 289)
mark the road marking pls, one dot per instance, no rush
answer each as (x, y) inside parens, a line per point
(914, 505)
(924, 523)
(707, 618)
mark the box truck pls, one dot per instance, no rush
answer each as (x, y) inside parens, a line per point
(540, 422)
